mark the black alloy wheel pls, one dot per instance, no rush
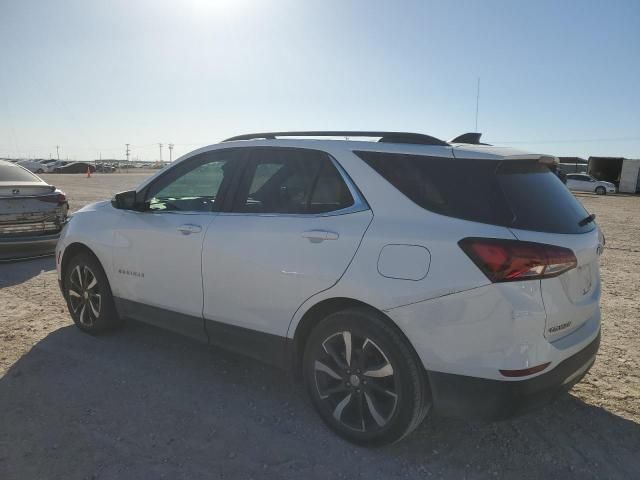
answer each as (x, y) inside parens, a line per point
(88, 295)
(356, 381)
(364, 378)
(85, 299)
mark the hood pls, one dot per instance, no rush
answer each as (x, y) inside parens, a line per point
(93, 207)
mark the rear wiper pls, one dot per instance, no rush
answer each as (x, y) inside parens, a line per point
(587, 219)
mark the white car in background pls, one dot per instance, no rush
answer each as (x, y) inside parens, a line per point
(34, 166)
(397, 277)
(586, 183)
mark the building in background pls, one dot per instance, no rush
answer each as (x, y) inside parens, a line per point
(623, 172)
(573, 164)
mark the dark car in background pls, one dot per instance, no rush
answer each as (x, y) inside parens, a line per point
(75, 167)
(32, 213)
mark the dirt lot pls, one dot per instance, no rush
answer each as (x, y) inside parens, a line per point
(142, 403)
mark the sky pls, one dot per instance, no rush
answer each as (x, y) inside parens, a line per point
(557, 77)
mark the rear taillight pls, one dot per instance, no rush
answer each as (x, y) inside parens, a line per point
(60, 198)
(512, 260)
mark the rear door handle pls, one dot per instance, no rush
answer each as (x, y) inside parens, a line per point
(189, 228)
(316, 236)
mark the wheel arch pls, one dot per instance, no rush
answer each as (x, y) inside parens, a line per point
(71, 251)
(324, 308)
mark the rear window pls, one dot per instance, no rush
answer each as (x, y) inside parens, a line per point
(13, 173)
(516, 194)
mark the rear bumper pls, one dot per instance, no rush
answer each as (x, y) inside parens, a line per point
(479, 398)
(28, 247)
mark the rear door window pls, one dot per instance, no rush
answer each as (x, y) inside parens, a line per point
(291, 181)
(517, 194)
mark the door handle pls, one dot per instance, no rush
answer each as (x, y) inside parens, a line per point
(189, 228)
(316, 236)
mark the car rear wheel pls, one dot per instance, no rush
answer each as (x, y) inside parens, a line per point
(601, 190)
(88, 295)
(364, 379)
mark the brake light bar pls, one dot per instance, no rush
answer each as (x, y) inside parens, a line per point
(504, 260)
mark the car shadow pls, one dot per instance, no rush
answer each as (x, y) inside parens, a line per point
(143, 403)
(19, 271)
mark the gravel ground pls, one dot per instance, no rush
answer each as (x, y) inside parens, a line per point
(142, 403)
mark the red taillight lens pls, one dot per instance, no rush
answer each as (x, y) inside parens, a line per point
(512, 260)
(60, 198)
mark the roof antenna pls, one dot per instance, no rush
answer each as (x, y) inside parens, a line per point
(477, 103)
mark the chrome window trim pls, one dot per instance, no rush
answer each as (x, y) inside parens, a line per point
(359, 202)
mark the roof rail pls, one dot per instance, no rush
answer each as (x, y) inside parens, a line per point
(385, 137)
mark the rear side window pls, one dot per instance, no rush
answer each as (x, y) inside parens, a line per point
(523, 195)
(12, 173)
(291, 181)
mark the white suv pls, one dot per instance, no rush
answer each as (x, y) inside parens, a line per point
(396, 276)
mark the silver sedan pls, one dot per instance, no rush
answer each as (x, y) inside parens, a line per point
(32, 213)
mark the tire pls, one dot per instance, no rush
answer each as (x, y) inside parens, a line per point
(601, 190)
(39, 171)
(377, 397)
(91, 307)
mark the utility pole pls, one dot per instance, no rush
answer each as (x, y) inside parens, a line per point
(477, 103)
(58, 152)
(160, 145)
(170, 152)
(127, 151)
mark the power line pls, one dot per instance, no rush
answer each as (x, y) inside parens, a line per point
(584, 140)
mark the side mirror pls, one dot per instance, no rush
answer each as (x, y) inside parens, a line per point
(126, 201)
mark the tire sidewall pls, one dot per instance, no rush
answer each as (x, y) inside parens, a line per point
(365, 324)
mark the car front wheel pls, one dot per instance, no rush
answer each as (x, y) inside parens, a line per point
(364, 379)
(601, 190)
(88, 295)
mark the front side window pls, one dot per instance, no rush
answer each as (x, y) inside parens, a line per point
(193, 186)
(291, 181)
